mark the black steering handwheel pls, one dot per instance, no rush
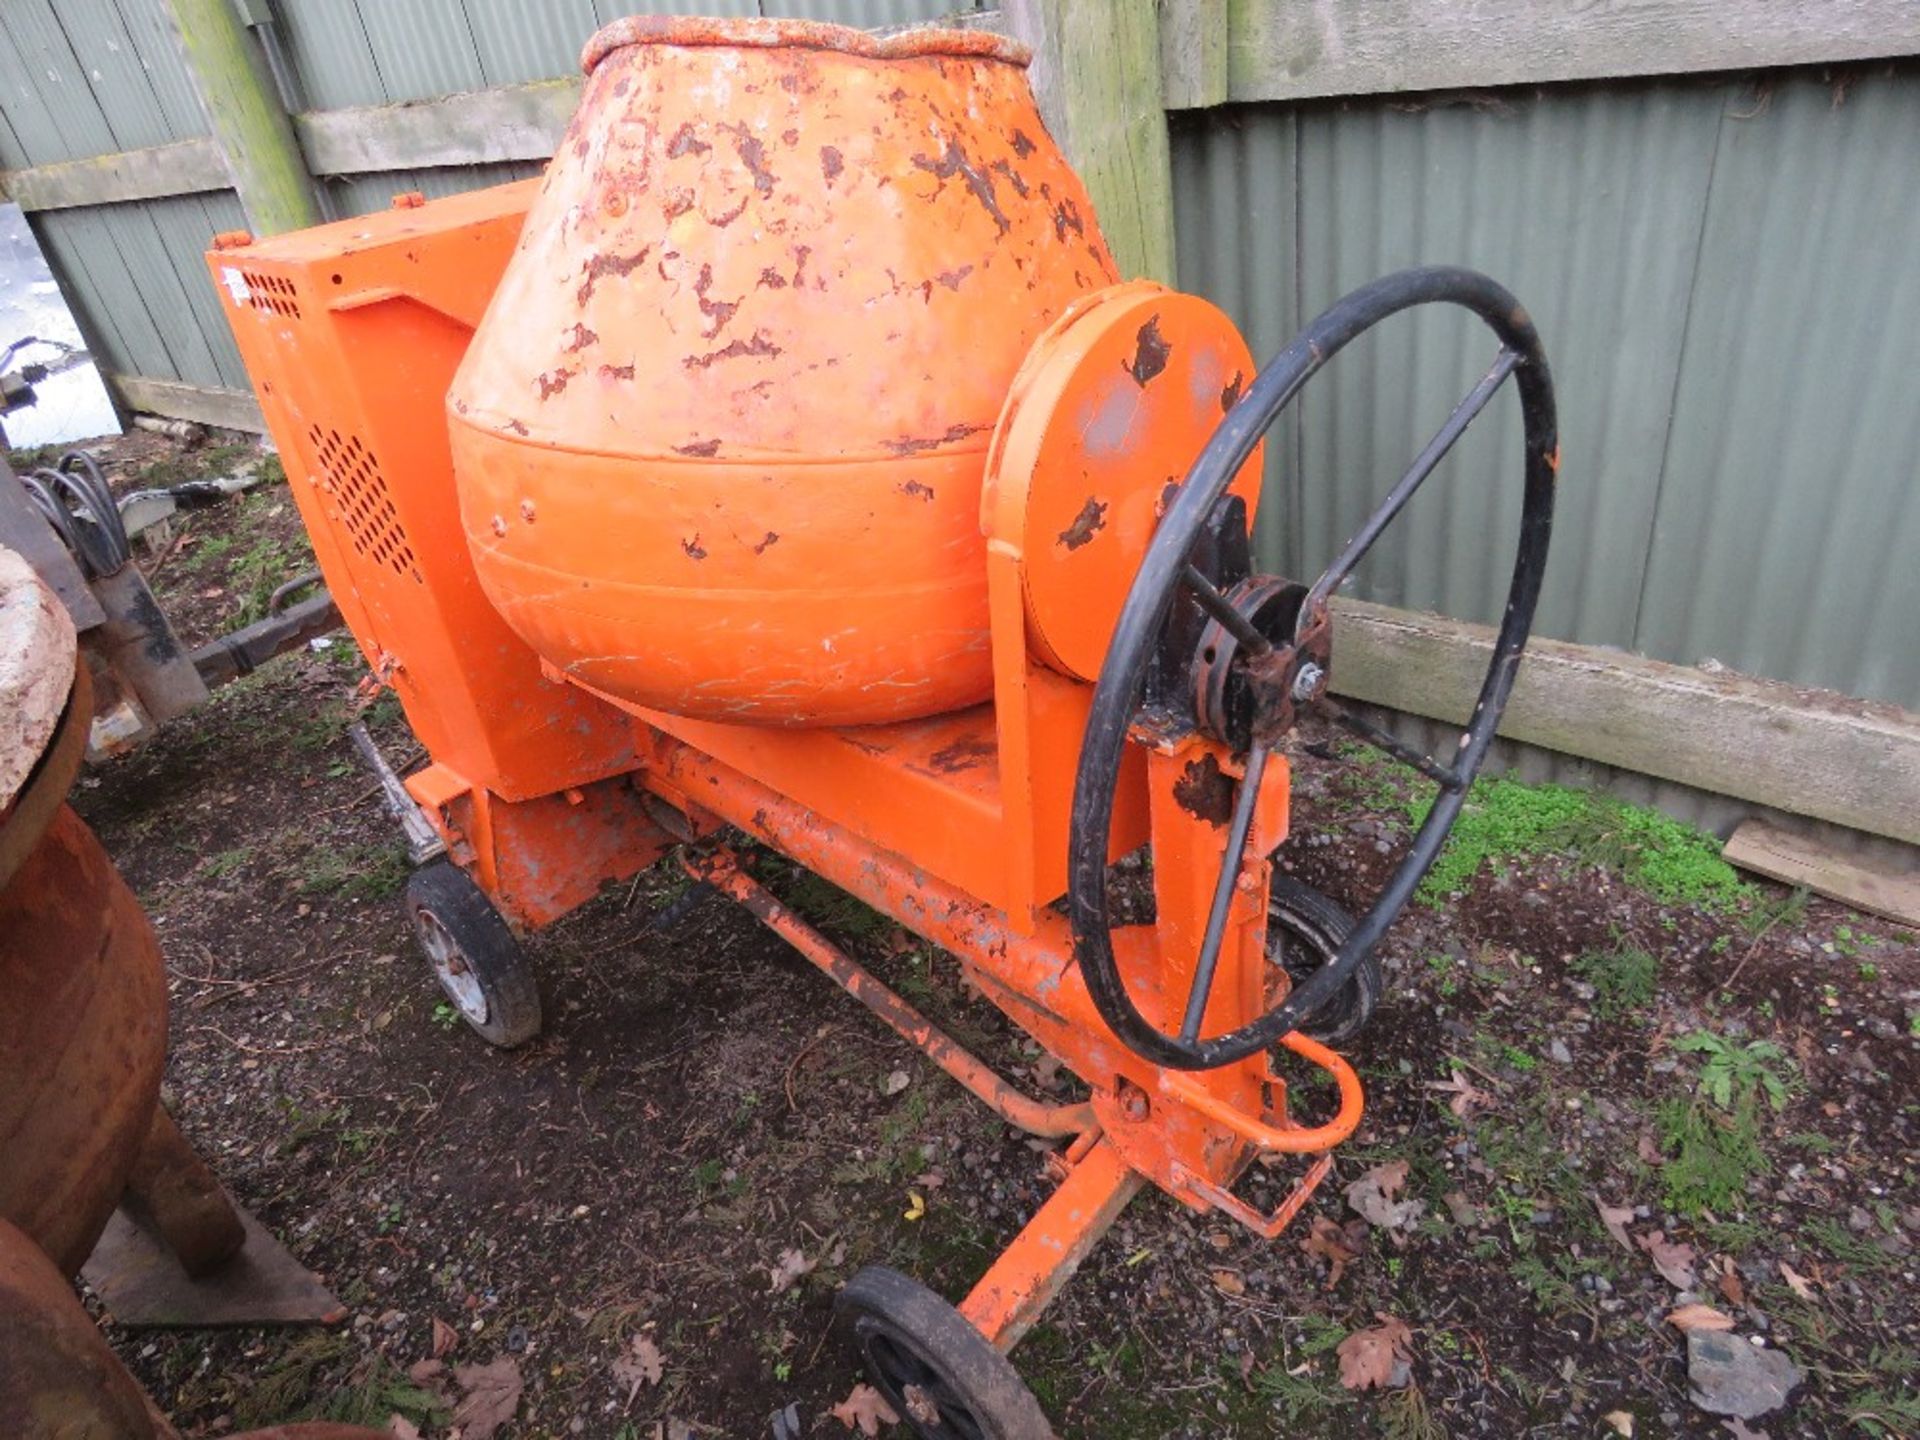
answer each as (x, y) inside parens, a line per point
(1263, 657)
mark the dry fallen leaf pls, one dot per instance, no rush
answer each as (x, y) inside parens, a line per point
(492, 1395)
(786, 1274)
(1465, 1213)
(1732, 1289)
(445, 1337)
(1372, 1196)
(1673, 1260)
(642, 1364)
(1689, 1318)
(1620, 1422)
(865, 1409)
(1466, 1095)
(1228, 1282)
(916, 1205)
(1796, 1282)
(1615, 1218)
(401, 1428)
(1338, 1245)
(1368, 1358)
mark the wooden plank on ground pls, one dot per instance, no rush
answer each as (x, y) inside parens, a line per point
(185, 167)
(1289, 50)
(228, 409)
(1809, 752)
(513, 122)
(1801, 860)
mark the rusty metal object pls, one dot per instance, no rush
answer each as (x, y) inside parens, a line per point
(58, 1379)
(184, 1200)
(83, 1034)
(720, 438)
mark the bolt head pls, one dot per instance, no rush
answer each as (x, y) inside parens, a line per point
(1310, 683)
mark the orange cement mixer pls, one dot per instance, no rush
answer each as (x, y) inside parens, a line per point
(809, 476)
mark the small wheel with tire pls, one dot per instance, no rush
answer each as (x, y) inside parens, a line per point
(1305, 930)
(938, 1373)
(475, 957)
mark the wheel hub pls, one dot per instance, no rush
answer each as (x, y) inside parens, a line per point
(450, 968)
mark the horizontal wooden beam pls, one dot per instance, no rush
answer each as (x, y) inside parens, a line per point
(228, 409)
(1290, 50)
(185, 167)
(479, 127)
(1809, 752)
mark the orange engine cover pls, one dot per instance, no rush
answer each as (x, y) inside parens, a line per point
(720, 437)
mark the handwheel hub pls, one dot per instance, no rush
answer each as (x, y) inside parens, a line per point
(1240, 695)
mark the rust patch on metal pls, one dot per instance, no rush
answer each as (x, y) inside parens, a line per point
(753, 155)
(955, 434)
(718, 312)
(552, 382)
(700, 450)
(517, 427)
(916, 489)
(773, 279)
(952, 278)
(600, 266)
(1011, 176)
(963, 754)
(582, 337)
(789, 137)
(1022, 144)
(1205, 791)
(1169, 492)
(734, 350)
(955, 162)
(1230, 396)
(772, 539)
(1088, 523)
(1150, 353)
(685, 142)
(695, 550)
(831, 162)
(617, 372)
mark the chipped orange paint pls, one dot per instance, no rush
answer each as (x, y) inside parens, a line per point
(747, 360)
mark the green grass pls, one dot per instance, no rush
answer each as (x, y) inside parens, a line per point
(370, 871)
(1502, 820)
(1623, 980)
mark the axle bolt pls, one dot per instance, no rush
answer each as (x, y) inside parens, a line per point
(1134, 1103)
(1310, 683)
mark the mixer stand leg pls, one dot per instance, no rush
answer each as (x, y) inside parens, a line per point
(1044, 1255)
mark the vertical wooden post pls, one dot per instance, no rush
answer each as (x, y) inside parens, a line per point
(250, 125)
(1193, 53)
(1096, 71)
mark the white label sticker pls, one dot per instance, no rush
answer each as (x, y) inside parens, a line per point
(236, 284)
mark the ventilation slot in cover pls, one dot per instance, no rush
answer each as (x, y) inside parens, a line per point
(360, 501)
(272, 292)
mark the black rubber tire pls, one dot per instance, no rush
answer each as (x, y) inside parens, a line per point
(1306, 915)
(903, 1329)
(492, 984)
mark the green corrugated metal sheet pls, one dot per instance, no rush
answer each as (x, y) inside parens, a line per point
(1727, 288)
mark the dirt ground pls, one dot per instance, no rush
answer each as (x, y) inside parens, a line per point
(1586, 1010)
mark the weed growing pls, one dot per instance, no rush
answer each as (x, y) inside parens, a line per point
(1712, 1137)
(1623, 980)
